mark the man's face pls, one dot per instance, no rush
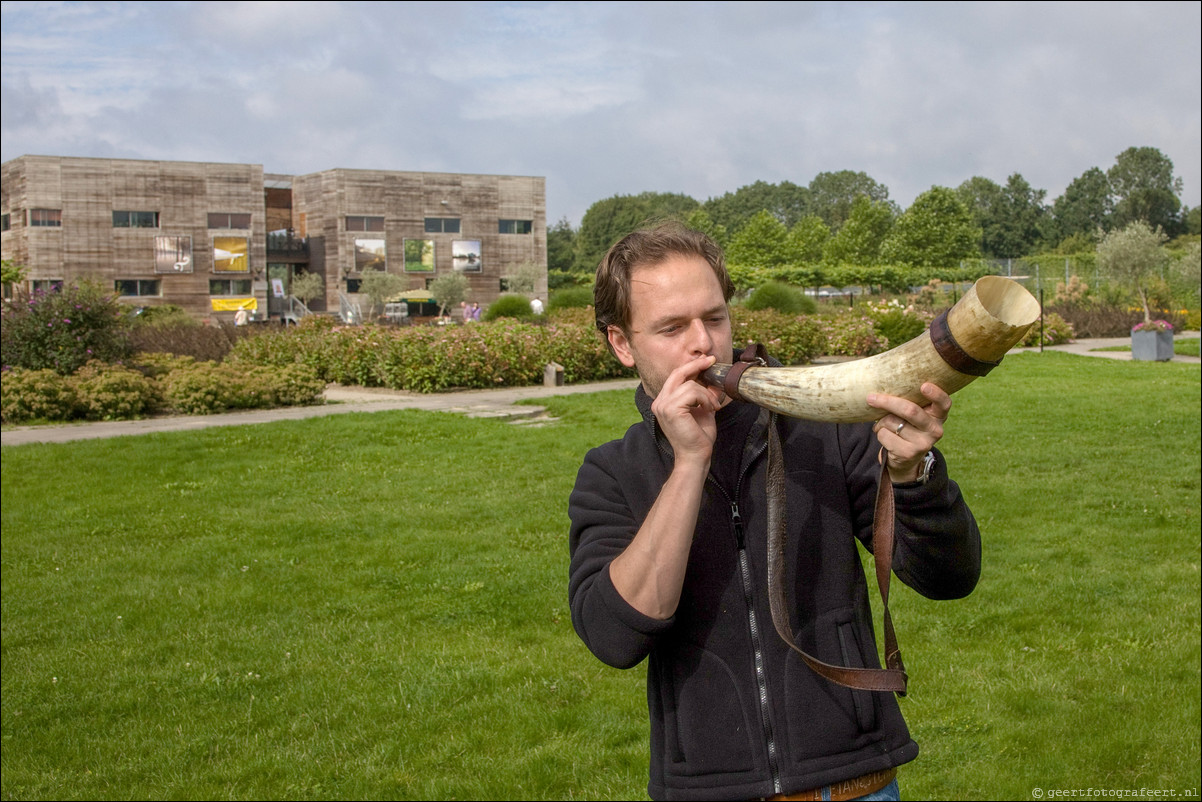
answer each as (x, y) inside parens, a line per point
(677, 313)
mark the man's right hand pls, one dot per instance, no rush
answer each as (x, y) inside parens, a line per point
(685, 410)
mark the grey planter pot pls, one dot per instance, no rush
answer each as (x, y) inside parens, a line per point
(1152, 346)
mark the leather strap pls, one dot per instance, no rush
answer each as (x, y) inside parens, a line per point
(753, 355)
(952, 353)
(893, 677)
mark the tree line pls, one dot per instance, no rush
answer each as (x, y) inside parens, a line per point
(844, 221)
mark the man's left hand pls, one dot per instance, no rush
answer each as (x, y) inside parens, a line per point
(908, 431)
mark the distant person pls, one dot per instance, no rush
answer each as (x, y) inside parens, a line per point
(475, 311)
(536, 306)
(241, 318)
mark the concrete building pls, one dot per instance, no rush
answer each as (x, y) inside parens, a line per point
(214, 238)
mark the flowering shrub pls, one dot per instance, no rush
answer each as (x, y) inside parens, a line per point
(897, 323)
(63, 329)
(1056, 330)
(1153, 325)
(852, 335)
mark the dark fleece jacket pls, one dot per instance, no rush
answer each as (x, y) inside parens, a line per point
(734, 711)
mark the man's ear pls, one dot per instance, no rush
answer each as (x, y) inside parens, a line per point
(621, 345)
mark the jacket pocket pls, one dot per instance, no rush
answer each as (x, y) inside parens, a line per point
(707, 727)
(865, 706)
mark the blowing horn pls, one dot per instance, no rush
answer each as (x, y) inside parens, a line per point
(962, 343)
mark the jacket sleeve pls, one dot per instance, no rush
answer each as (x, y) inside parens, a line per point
(937, 548)
(603, 525)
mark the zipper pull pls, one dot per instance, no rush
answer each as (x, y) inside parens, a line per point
(737, 520)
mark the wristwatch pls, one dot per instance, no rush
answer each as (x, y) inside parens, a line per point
(928, 464)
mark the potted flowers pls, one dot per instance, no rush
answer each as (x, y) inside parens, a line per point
(1152, 341)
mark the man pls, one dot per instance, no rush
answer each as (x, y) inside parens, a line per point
(668, 548)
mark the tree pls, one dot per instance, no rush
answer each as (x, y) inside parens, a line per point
(1193, 220)
(523, 278)
(786, 201)
(833, 194)
(700, 220)
(607, 221)
(1085, 207)
(759, 243)
(11, 273)
(1011, 218)
(307, 286)
(1187, 270)
(860, 239)
(1144, 188)
(1133, 256)
(448, 290)
(806, 240)
(379, 286)
(561, 245)
(936, 231)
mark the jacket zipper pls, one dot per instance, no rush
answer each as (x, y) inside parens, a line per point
(761, 679)
(757, 646)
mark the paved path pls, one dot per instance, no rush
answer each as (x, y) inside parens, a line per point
(476, 403)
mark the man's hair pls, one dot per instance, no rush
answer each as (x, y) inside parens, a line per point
(644, 248)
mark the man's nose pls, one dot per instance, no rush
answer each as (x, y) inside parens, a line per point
(700, 341)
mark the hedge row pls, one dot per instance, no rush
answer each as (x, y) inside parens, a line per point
(160, 384)
(503, 353)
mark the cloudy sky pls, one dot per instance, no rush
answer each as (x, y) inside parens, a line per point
(613, 98)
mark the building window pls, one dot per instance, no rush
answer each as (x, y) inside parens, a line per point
(131, 287)
(229, 286)
(442, 225)
(229, 220)
(5, 221)
(359, 222)
(515, 226)
(352, 284)
(46, 285)
(46, 218)
(135, 219)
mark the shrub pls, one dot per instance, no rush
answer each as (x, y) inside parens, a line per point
(897, 324)
(782, 298)
(852, 335)
(514, 306)
(63, 330)
(205, 388)
(162, 315)
(114, 392)
(1055, 330)
(792, 339)
(570, 298)
(189, 338)
(42, 394)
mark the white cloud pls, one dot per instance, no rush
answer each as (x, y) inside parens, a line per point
(614, 98)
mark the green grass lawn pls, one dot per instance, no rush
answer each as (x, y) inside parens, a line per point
(370, 606)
